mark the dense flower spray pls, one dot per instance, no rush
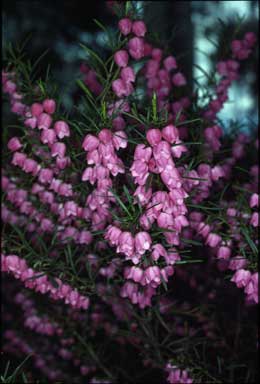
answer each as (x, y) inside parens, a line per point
(104, 211)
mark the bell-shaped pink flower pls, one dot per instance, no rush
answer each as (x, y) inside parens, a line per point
(48, 136)
(241, 278)
(224, 253)
(49, 106)
(213, 240)
(121, 58)
(143, 242)
(31, 122)
(139, 28)
(136, 48)
(45, 176)
(14, 144)
(127, 75)
(58, 149)
(90, 143)
(125, 26)
(126, 244)
(179, 79)
(254, 200)
(31, 166)
(170, 133)
(169, 63)
(36, 109)
(62, 129)
(44, 121)
(153, 136)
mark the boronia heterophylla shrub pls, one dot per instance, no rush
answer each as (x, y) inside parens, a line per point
(125, 220)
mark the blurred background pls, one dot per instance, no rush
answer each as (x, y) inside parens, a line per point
(190, 29)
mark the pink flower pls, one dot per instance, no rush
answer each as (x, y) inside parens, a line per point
(136, 48)
(105, 136)
(157, 54)
(178, 149)
(152, 274)
(62, 129)
(143, 242)
(237, 262)
(254, 219)
(31, 122)
(179, 80)
(217, 172)
(224, 253)
(157, 251)
(85, 237)
(169, 63)
(241, 278)
(63, 162)
(48, 136)
(44, 121)
(139, 28)
(70, 208)
(36, 109)
(119, 140)
(127, 75)
(170, 134)
(254, 199)
(143, 195)
(90, 143)
(58, 149)
(134, 273)
(153, 136)
(126, 244)
(125, 26)
(213, 240)
(31, 166)
(121, 58)
(45, 176)
(14, 144)
(112, 234)
(49, 106)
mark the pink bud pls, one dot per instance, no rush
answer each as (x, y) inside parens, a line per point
(125, 26)
(139, 28)
(121, 58)
(14, 144)
(62, 129)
